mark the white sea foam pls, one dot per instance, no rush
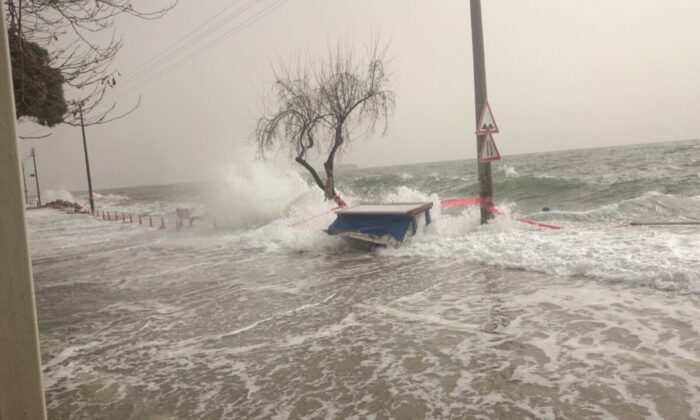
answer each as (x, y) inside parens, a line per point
(508, 170)
(663, 258)
(255, 193)
(58, 194)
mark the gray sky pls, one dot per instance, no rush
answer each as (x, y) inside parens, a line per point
(561, 74)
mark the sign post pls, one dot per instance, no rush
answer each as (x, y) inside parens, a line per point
(489, 151)
(484, 168)
(486, 122)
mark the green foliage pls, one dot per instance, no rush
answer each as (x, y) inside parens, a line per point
(38, 87)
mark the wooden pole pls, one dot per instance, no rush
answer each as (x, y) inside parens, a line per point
(36, 178)
(480, 96)
(87, 161)
(24, 184)
(21, 388)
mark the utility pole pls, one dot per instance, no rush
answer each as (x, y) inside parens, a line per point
(21, 388)
(36, 177)
(484, 168)
(24, 184)
(87, 161)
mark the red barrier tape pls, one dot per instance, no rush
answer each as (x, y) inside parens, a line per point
(87, 201)
(476, 200)
(339, 201)
(526, 221)
(460, 202)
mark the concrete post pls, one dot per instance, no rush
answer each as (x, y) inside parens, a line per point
(21, 388)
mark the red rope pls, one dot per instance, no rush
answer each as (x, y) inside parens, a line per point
(477, 200)
(336, 199)
(315, 217)
(443, 204)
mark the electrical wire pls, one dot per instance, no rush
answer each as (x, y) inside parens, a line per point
(207, 47)
(184, 37)
(144, 71)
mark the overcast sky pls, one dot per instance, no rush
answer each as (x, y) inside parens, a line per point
(561, 74)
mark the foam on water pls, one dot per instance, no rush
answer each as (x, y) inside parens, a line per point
(210, 330)
(661, 258)
(649, 206)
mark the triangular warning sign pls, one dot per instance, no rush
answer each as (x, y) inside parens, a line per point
(486, 121)
(488, 151)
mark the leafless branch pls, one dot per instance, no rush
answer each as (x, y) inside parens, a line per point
(324, 101)
(73, 32)
(35, 137)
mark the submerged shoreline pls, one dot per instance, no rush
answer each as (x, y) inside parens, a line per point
(352, 334)
(256, 318)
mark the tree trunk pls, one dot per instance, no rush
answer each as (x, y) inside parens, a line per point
(312, 171)
(328, 165)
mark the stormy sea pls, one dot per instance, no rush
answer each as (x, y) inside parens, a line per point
(255, 312)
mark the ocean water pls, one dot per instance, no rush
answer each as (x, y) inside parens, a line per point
(256, 313)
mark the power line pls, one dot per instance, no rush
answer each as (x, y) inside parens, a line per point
(54, 137)
(143, 71)
(177, 51)
(145, 63)
(206, 46)
(254, 18)
(34, 132)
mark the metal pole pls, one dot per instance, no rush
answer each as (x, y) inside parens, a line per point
(36, 178)
(21, 388)
(24, 184)
(87, 161)
(484, 169)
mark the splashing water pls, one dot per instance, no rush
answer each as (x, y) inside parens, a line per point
(256, 312)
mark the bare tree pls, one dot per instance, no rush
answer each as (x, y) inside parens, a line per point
(81, 43)
(321, 104)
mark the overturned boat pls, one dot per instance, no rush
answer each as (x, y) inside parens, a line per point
(381, 224)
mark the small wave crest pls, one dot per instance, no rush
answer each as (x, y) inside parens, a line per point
(111, 199)
(649, 206)
(58, 194)
(508, 170)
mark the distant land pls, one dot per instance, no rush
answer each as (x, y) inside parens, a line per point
(345, 166)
